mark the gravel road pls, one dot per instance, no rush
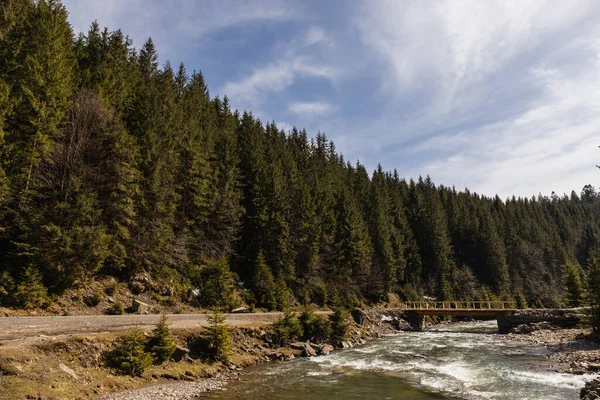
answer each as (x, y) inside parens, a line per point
(16, 328)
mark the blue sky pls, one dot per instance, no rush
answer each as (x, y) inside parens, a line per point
(502, 97)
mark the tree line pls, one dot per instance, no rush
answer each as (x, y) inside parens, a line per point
(111, 165)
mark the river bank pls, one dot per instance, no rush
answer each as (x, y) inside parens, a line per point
(575, 351)
(73, 366)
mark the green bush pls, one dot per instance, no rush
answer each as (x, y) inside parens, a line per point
(315, 328)
(162, 344)
(129, 356)
(116, 309)
(95, 299)
(288, 328)
(111, 288)
(30, 291)
(339, 327)
(216, 285)
(218, 336)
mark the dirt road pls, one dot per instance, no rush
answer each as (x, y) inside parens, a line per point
(17, 328)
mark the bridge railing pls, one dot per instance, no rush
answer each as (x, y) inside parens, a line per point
(460, 305)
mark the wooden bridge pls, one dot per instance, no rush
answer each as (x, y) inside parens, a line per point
(415, 311)
(505, 312)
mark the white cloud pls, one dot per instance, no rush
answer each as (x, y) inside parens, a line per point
(274, 77)
(311, 108)
(550, 146)
(506, 94)
(452, 48)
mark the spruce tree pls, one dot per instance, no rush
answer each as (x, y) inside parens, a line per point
(162, 343)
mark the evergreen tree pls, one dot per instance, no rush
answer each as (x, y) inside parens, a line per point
(593, 284)
(162, 343)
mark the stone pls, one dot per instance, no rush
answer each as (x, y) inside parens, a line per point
(308, 351)
(325, 349)
(297, 345)
(140, 307)
(591, 391)
(346, 345)
(180, 353)
(68, 370)
(239, 310)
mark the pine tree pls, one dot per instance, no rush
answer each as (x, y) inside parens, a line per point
(593, 284)
(573, 287)
(30, 292)
(263, 284)
(162, 343)
(219, 336)
(129, 356)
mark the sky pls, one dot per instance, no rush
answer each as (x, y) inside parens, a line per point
(502, 97)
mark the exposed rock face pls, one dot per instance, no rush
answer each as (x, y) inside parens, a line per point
(591, 391)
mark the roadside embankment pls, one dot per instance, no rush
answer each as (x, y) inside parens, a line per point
(71, 366)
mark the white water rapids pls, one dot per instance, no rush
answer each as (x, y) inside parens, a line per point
(463, 361)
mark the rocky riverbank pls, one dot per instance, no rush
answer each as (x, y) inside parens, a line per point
(253, 346)
(575, 351)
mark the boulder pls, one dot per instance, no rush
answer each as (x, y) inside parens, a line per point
(180, 353)
(239, 310)
(297, 345)
(346, 345)
(325, 349)
(140, 307)
(591, 391)
(308, 351)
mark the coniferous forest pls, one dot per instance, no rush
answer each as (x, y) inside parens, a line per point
(114, 165)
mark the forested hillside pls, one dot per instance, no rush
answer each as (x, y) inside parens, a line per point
(111, 165)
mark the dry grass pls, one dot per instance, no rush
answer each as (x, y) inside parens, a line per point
(74, 369)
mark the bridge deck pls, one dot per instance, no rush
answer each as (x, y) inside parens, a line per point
(460, 308)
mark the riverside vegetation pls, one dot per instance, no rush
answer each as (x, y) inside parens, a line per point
(112, 167)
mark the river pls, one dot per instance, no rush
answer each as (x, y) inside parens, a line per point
(459, 361)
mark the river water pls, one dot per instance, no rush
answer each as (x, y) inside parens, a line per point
(461, 361)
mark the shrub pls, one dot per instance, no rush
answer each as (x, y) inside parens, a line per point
(111, 288)
(116, 309)
(288, 328)
(95, 299)
(129, 356)
(30, 291)
(216, 285)
(162, 344)
(7, 288)
(315, 328)
(218, 336)
(339, 327)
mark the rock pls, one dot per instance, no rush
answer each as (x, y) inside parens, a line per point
(308, 351)
(68, 370)
(593, 367)
(346, 345)
(297, 345)
(180, 353)
(325, 349)
(591, 391)
(140, 307)
(239, 310)
(137, 287)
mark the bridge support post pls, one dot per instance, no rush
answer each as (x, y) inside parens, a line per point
(415, 320)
